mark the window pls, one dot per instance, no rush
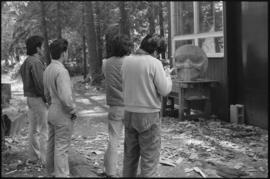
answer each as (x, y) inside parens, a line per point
(199, 23)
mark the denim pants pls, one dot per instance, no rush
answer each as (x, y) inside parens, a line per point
(142, 141)
(38, 130)
(115, 129)
(59, 140)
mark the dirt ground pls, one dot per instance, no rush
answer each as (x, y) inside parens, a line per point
(207, 148)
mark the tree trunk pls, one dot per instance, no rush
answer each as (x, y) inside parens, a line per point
(98, 27)
(169, 33)
(59, 30)
(44, 30)
(95, 69)
(161, 19)
(124, 23)
(2, 4)
(83, 41)
(161, 25)
(151, 18)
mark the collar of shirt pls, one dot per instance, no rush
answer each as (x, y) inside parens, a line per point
(57, 62)
(141, 52)
(38, 57)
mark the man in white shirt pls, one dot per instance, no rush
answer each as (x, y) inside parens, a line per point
(144, 83)
(58, 90)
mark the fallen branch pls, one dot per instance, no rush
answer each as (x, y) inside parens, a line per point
(11, 172)
(199, 171)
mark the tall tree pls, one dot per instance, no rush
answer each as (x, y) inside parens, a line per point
(161, 19)
(151, 17)
(44, 29)
(83, 41)
(124, 23)
(98, 28)
(59, 30)
(95, 69)
(169, 32)
(161, 24)
(2, 4)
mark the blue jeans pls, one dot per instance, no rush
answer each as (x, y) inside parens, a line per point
(142, 139)
(115, 129)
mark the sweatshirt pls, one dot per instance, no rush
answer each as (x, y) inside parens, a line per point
(144, 82)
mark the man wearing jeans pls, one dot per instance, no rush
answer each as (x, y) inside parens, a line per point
(58, 90)
(32, 76)
(144, 82)
(119, 47)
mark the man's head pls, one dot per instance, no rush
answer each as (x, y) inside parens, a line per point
(153, 44)
(120, 45)
(111, 31)
(58, 49)
(34, 44)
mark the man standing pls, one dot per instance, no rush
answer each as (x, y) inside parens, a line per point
(58, 91)
(144, 82)
(32, 76)
(120, 46)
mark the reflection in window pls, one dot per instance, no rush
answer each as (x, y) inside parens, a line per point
(184, 18)
(210, 16)
(212, 45)
(179, 43)
(199, 23)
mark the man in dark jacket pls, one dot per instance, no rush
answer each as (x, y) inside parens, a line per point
(32, 76)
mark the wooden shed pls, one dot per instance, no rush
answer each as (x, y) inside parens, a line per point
(234, 35)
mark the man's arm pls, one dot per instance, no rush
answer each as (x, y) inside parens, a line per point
(37, 75)
(46, 90)
(64, 91)
(162, 80)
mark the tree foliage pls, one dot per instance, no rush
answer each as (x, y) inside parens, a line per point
(21, 19)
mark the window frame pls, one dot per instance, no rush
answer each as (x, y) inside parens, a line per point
(196, 35)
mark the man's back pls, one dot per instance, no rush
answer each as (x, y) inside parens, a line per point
(113, 77)
(144, 82)
(32, 73)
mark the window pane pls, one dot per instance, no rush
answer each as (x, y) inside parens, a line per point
(212, 45)
(219, 16)
(179, 43)
(210, 16)
(184, 18)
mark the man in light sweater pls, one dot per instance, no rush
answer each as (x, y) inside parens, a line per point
(144, 83)
(62, 112)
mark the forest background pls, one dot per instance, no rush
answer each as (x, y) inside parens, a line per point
(84, 24)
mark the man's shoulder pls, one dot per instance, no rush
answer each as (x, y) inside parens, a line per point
(34, 61)
(113, 61)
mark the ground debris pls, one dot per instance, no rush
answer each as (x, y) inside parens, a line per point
(166, 161)
(226, 148)
(198, 170)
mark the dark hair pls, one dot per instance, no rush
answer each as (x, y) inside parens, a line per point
(57, 47)
(162, 46)
(32, 43)
(120, 45)
(153, 42)
(111, 31)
